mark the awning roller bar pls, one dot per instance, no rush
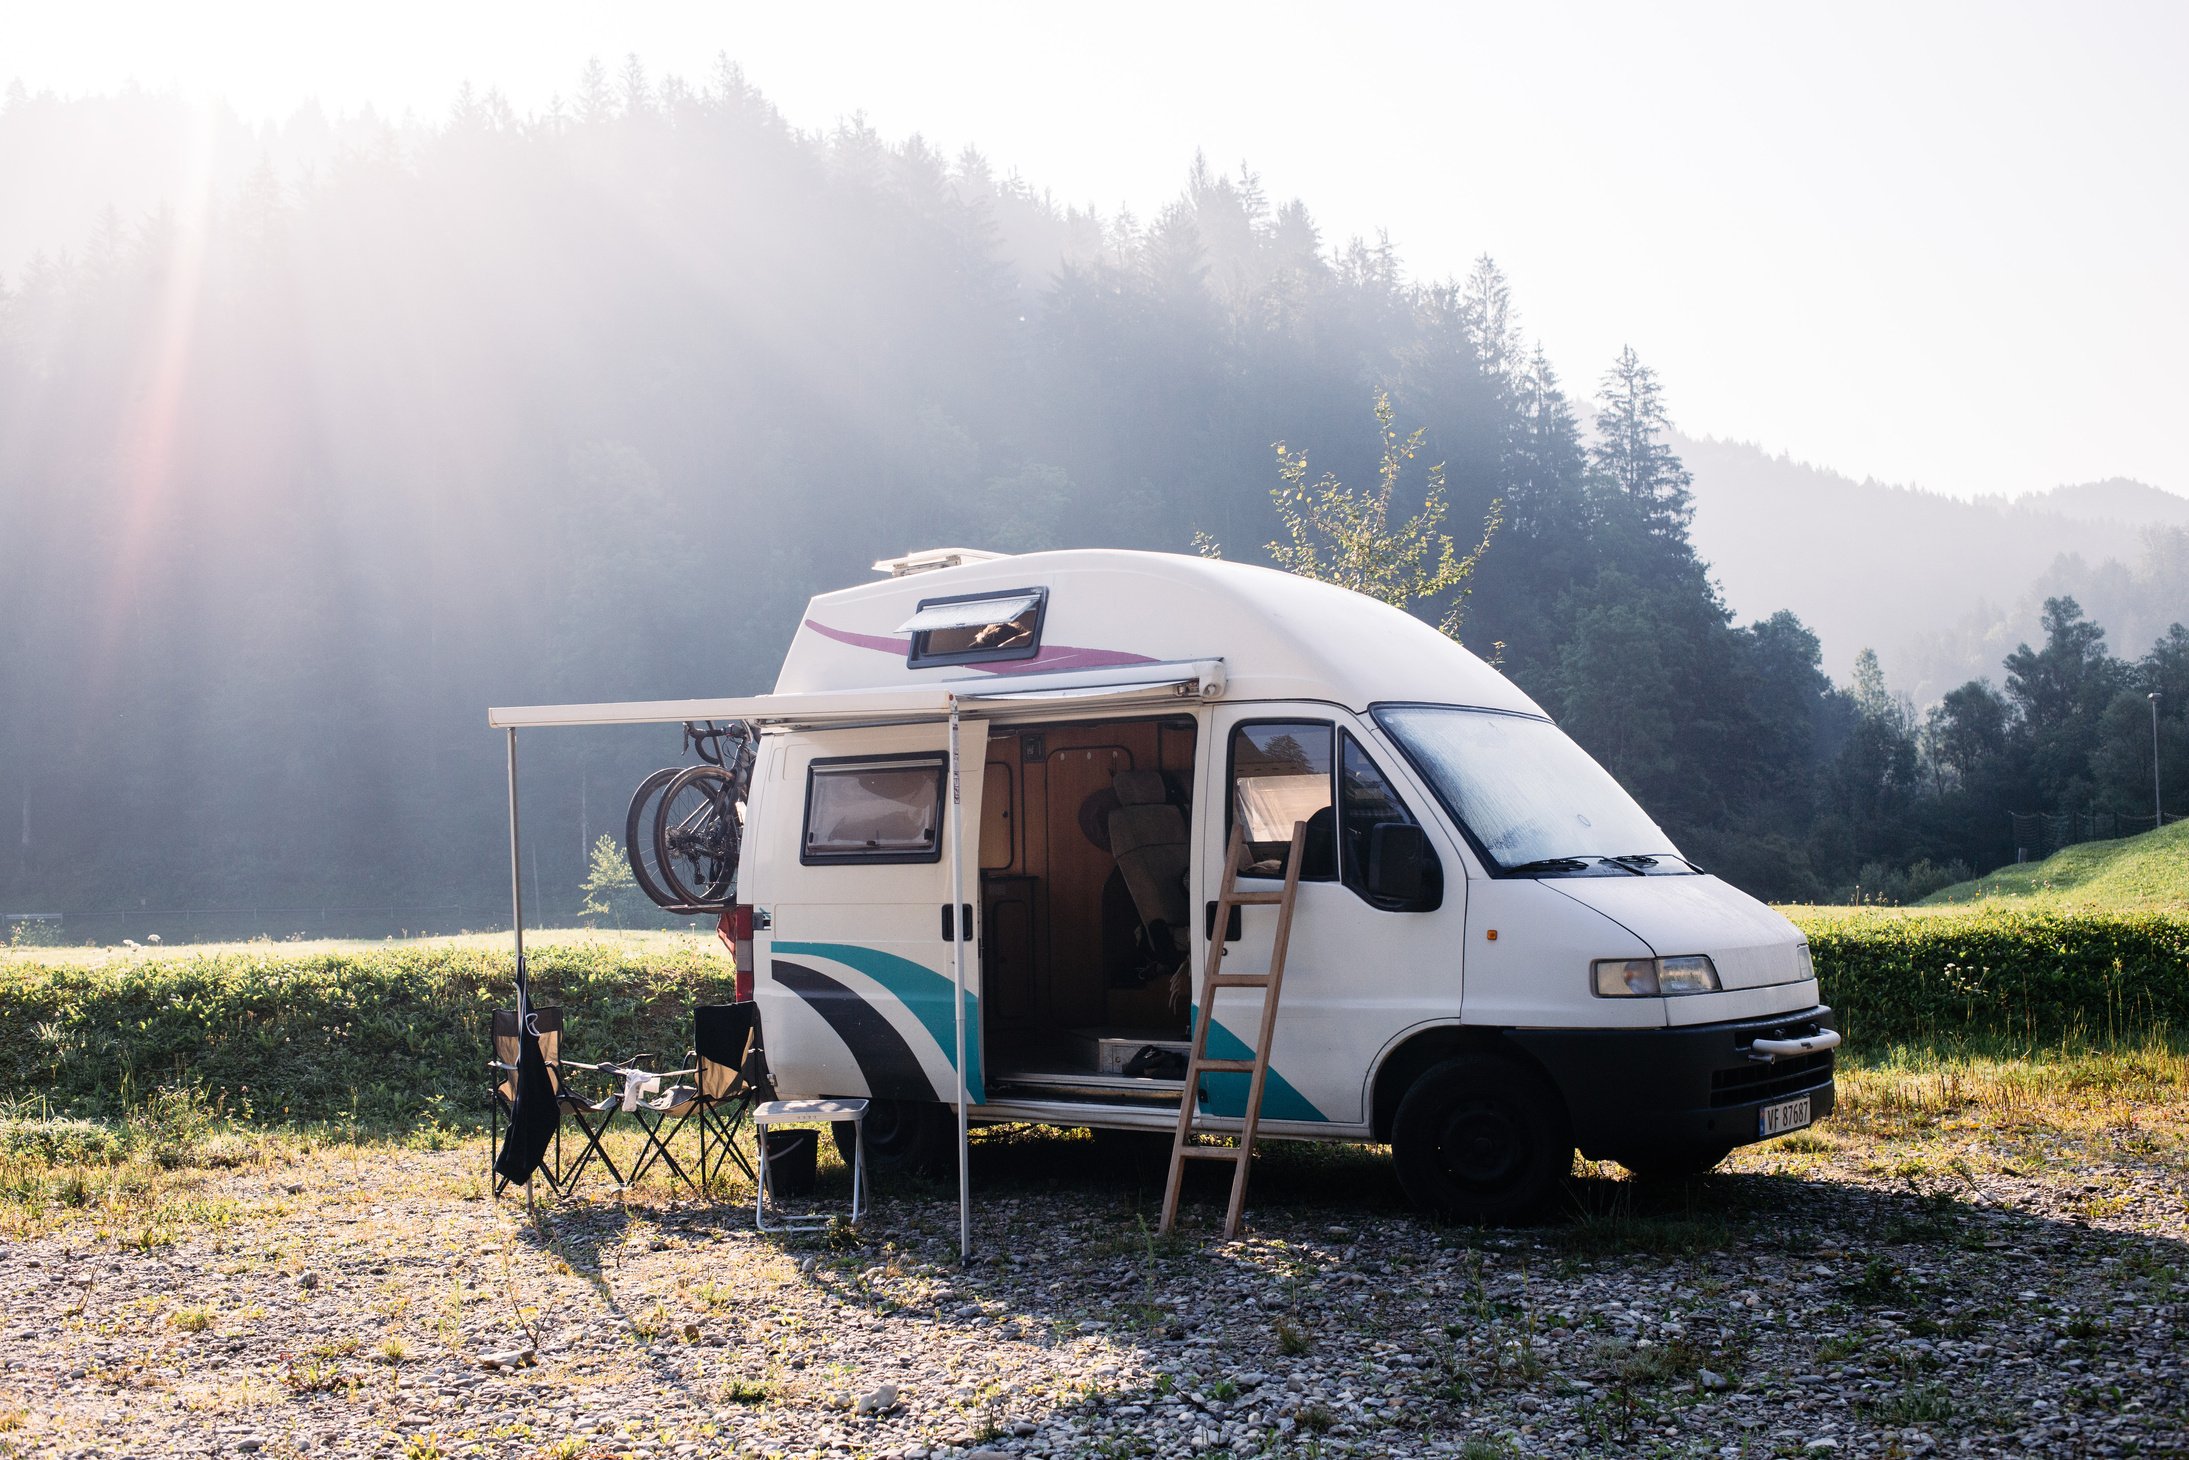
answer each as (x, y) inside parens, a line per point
(1200, 679)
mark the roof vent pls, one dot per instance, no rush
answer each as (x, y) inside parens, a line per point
(926, 560)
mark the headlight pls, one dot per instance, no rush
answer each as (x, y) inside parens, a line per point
(1624, 978)
(1691, 975)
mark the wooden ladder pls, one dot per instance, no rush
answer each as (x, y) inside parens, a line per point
(1184, 1147)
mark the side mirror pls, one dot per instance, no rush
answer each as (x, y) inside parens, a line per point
(1402, 868)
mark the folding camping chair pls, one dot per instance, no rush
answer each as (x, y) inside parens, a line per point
(731, 1072)
(590, 1116)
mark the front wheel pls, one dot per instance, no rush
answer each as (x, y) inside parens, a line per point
(1481, 1138)
(1674, 1163)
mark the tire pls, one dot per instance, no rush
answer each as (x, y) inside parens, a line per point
(696, 836)
(1481, 1138)
(1674, 1163)
(903, 1138)
(638, 837)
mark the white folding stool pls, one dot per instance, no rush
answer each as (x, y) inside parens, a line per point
(809, 1112)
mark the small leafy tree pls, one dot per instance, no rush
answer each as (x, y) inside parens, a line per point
(610, 889)
(1335, 534)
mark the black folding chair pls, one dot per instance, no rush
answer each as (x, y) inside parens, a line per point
(730, 1077)
(590, 1116)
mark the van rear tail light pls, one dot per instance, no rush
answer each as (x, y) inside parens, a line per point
(1625, 978)
(735, 931)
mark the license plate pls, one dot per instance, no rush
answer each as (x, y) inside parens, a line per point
(1777, 1120)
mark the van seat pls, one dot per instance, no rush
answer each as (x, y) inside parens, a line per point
(1148, 838)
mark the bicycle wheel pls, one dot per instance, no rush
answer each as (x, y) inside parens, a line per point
(696, 835)
(638, 837)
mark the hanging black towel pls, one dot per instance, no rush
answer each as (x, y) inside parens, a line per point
(532, 1116)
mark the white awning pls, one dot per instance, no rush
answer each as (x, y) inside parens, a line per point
(971, 614)
(1169, 683)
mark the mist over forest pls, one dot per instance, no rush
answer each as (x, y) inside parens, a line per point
(1942, 589)
(583, 405)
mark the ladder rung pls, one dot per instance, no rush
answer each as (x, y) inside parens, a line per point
(1255, 899)
(1239, 981)
(1211, 1153)
(1225, 1067)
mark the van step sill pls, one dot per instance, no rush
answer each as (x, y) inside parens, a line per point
(1092, 1086)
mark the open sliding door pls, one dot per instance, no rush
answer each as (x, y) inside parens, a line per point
(857, 933)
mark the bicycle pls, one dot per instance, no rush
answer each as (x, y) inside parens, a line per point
(685, 825)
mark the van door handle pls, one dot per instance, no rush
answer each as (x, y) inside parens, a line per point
(1231, 924)
(964, 920)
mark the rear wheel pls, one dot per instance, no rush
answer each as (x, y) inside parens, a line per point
(903, 1138)
(696, 836)
(1482, 1138)
(638, 837)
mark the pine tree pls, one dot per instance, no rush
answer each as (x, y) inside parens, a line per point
(1630, 457)
(1485, 307)
(593, 96)
(1545, 465)
(637, 95)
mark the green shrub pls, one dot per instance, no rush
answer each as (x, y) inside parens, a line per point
(2035, 977)
(59, 1142)
(394, 1036)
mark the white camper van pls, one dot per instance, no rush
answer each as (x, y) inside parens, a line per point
(1496, 955)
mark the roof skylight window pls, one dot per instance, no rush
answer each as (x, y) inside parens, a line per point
(977, 628)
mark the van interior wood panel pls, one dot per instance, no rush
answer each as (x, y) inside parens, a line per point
(998, 821)
(1077, 775)
(1007, 953)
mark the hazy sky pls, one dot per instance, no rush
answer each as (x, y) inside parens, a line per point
(1941, 244)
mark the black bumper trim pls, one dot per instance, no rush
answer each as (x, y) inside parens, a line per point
(1637, 1091)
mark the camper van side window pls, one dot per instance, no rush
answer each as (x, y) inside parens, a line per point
(1366, 801)
(875, 809)
(1280, 775)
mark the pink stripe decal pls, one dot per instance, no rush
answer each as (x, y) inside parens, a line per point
(861, 641)
(1053, 657)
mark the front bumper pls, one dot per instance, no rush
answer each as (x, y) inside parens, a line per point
(1631, 1092)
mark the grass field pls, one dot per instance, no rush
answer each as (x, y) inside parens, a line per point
(232, 1223)
(2148, 873)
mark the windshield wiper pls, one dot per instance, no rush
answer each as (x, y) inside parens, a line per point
(1636, 862)
(1550, 864)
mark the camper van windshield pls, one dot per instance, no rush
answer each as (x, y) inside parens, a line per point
(1532, 799)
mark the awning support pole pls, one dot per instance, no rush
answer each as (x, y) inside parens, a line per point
(516, 893)
(957, 969)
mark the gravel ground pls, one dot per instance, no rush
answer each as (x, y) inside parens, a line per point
(1972, 1294)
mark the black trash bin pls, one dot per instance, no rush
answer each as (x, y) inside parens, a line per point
(792, 1158)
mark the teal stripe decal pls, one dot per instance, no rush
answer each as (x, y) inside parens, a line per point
(926, 993)
(1227, 1093)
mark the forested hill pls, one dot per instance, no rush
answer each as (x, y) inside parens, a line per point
(585, 405)
(1942, 589)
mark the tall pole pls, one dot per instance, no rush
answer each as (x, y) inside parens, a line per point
(957, 970)
(516, 888)
(2158, 811)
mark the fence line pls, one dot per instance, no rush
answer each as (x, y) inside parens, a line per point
(50, 927)
(236, 924)
(2042, 833)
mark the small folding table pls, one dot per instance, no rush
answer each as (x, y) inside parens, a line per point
(808, 1112)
